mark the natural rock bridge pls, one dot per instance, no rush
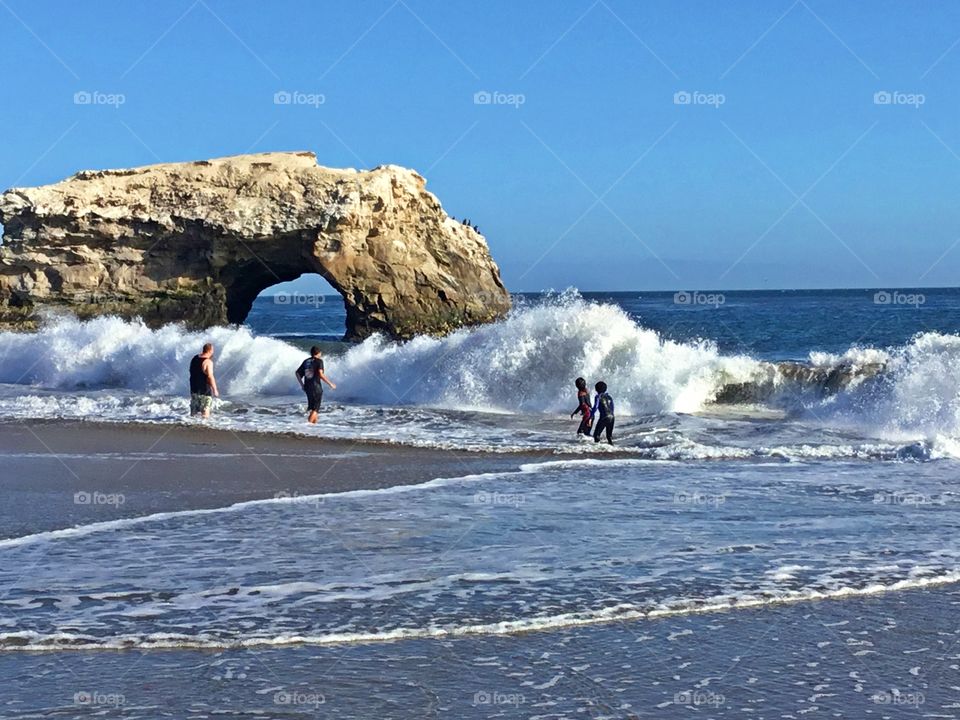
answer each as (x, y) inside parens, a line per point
(196, 242)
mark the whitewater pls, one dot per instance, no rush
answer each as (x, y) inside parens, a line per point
(502, 387)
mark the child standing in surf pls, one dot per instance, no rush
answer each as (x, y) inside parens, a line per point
(583, 407)
(604, 406)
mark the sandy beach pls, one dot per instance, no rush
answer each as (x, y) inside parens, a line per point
(60, 474)
(875, 655)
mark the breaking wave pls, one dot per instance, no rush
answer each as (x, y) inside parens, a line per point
(523, 364)
(526, 362)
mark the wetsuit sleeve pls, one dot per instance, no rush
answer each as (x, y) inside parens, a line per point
(596, 404)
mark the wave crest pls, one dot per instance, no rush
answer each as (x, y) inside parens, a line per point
(528, 363)
(525, 363)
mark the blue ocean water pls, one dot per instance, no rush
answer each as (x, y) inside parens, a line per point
(876, 368)
(780, 459)
(767, 324)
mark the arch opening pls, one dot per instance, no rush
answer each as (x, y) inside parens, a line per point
(307, 307)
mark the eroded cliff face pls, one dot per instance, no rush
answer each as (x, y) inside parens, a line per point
(196, 242)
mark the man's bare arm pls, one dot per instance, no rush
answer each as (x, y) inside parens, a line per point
(323, 376)
(208, 371)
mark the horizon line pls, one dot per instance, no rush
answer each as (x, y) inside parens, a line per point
(693, 289)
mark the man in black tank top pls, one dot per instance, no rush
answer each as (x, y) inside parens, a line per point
(311, 375)
(203, 386)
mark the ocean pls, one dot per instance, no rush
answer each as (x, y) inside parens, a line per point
(505, 387)
(773, 533)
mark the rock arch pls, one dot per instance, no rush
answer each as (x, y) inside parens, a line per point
(196, 242)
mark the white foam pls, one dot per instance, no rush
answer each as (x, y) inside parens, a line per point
(917, 397)
(67, 353)
(124, 371)
(855, 357)
(32, 641)
(526, 362)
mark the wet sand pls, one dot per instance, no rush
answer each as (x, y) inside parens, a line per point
(887, 656)
(61, 474)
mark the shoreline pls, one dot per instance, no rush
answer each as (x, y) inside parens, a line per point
(292, 433)
(518, 628)
(144, 469)
(290, 436)
(61, 474)
(186, 466)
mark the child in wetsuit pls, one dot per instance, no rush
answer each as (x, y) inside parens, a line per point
(583, 407)
(603, 404)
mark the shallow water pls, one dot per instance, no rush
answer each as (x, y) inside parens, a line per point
(707, 533)
(551, 545)
(885, 656)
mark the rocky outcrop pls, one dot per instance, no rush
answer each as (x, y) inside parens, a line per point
(196, 242)
(794, 379)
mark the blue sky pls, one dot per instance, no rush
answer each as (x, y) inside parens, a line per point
(782, 171)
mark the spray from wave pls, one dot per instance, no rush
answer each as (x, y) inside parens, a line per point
(917, 394)
(107, 352)
(525, 363)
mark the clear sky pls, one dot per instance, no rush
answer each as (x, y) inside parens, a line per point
(784, 169)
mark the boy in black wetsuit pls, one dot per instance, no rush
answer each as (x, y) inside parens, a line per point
(583, 407)
(603, 404)
(310, 374)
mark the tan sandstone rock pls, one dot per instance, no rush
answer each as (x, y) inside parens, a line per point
(196, 242)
